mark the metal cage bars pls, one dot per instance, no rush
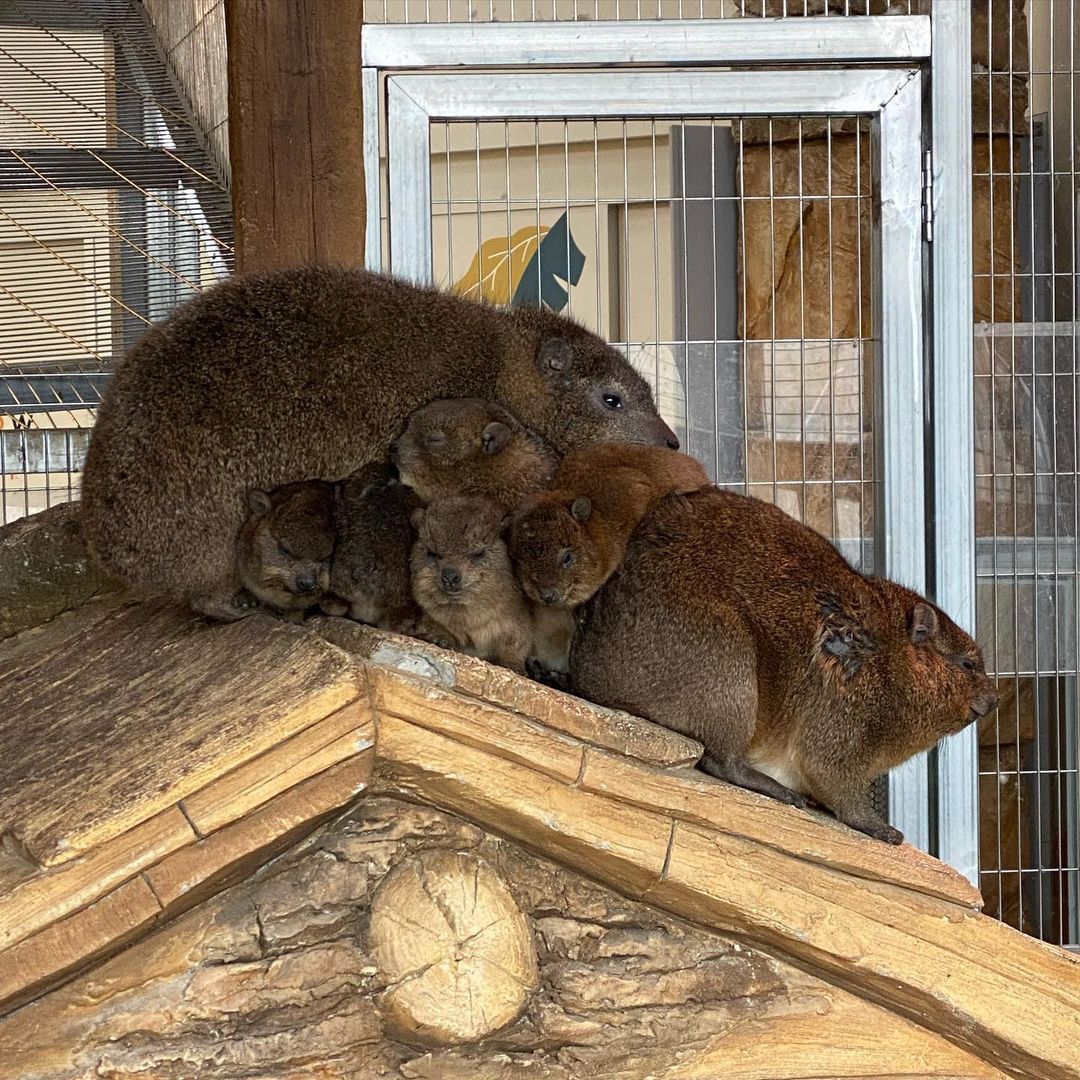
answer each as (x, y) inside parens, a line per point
(893, 98)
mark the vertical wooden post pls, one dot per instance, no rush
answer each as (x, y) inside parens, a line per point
(296, 132)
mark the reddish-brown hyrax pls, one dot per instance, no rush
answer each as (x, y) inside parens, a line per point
(567, 540)
(462, 579)
(369, 576)
(283, 549)
(266, 379)
(471, 447)
(733, 623)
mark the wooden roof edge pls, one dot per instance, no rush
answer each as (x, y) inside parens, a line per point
(1012, 1001)
(620, 756)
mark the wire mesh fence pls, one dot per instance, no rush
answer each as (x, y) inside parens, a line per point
(425, 11)
(1026, 130)
(111, 213)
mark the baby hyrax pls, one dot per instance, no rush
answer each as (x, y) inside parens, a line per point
(463, 580)
(369, 577)
(469, 446)
(567, 540)
(284, 547)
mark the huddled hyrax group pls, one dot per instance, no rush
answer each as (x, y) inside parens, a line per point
(499, 482)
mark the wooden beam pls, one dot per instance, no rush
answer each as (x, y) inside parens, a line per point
(296, 132)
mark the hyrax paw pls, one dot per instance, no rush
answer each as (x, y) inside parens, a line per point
(885, 833)
(244, 601)
(541, 673)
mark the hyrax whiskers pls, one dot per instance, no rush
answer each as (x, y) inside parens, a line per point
(463, 580)
(283, 549)
(471, 447)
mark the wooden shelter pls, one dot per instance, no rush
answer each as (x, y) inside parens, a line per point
(272, 850)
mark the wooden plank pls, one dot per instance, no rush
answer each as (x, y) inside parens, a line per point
(610, 728)
(621, 845)
(822, 1031)
(816, 838)
(511, 737)
(296, 132)
(32, 966)
(1008, 999)
(54, 894)
(146, 705)
(190, 875)
(227, 799)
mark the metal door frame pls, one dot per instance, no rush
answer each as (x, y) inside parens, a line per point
(925, 365)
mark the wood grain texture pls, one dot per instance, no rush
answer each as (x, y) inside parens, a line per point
(195, 872)
(53, 894)
(44, 569)
(455, 947)
(1008, 999)
(36, 963)
(623, 845)
(511, 737)
(296, 132)
(262, 982)
(1012, 1001)
(617, 731)
(689, 795)
(114, 715)
(317, 748)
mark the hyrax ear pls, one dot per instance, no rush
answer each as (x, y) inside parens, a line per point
(581, 508)
(923, 623)
(417, 517)
(495, 437)
(555, 353)
(259, 502)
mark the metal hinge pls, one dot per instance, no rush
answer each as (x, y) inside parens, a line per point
(928, 196)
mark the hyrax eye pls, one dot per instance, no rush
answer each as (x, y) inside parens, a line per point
(477, 556)
(567, 560)
(433, 556)
(283, 548)
(612, 400)
(967, 664)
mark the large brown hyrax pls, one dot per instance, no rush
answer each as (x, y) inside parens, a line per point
(283, 549)
(567, 540)
(463, 580)
(468, 446)
(267, 379)
(735, 624)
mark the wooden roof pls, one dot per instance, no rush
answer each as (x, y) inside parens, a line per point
(148, 759)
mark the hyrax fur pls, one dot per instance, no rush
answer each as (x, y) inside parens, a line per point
(369, 575)
(283, 549)
(268, 379)
(733, 623)
(568, 540)
(463, 580)
(471, 447)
